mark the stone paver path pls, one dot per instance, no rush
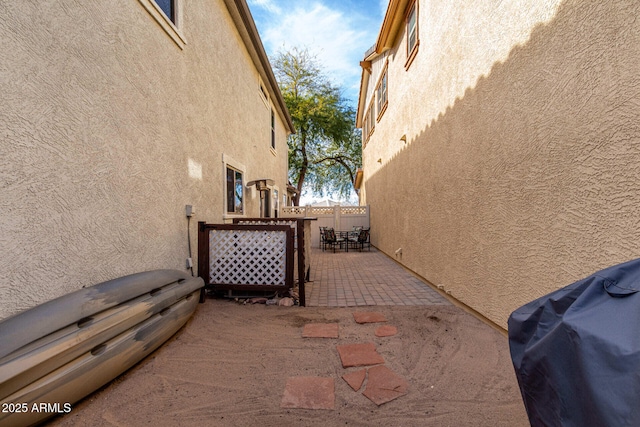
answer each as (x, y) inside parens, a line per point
(367, 278)
(386, 331)
(368, 317)
(359, 355)
(309, 393)
(382, 384)
(355, 379)
(321, 330)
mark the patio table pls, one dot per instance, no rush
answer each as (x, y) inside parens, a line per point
(347, 236)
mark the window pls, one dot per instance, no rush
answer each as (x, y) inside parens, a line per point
(168, 8)
(234, 191)
(273, 130)
(263, 93)
(372, 119)
(381, 94)
(412, 34)
(233, 174)
(167, 14)
(365, 129)
(369, 123)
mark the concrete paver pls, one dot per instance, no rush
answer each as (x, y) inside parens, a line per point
(386, 331)
(384, 385)
(367, 278)
(320, 330)
(359, 355)
(352, 279)
(309, 393)
(368, 317)
(355, 379)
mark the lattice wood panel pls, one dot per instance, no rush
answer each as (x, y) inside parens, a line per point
(294, 210)
(293, 223)
(247, 257)
(302, 238)
(319, 210)
(353, 210)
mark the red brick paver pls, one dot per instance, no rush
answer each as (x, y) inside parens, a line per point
(368, 317)
(309, 393)
(359, 355)
(386, 331)
(367, 278)
(384, 385)
(355, 379)
(320, 330)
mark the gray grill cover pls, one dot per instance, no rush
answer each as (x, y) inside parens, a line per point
(576, 351)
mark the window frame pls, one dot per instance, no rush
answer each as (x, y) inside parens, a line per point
(412, 50)
(369, 121)
(382, 92)
(170, 25)
(273, 129)
(172, 12)
(264, 95)
(232, 165)
(238, 209)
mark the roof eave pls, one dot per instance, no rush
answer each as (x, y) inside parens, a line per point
(391, 25)
(362, 93)
(244, 20)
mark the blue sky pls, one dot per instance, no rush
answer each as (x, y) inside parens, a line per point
(338, 32)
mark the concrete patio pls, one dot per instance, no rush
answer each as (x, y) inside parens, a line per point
(367, 278)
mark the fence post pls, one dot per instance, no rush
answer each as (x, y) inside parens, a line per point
(337, 214)
(203, 257)
(302, 249)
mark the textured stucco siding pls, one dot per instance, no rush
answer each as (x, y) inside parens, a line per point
(521, 171)
(108, 130)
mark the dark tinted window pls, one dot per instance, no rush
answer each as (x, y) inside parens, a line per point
(167, 8)
(234, 191)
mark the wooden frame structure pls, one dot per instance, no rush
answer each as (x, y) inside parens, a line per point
(246, 257)
(302, 246)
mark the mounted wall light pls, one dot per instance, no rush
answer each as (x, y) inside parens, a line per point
(261, 184)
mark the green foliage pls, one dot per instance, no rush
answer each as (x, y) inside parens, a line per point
(326, 149)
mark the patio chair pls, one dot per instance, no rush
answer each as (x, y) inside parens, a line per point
(323, 243)
(332, 240)
(362, 240)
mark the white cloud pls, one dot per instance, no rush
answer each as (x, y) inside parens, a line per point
(338, 39)
(384, 4)
(269, 5)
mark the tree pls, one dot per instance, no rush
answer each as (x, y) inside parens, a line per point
(325, 151)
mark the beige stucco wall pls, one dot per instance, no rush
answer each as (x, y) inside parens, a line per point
(521, 171)
(109, 128)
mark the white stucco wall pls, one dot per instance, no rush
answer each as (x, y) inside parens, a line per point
(108, 130)
(521, 169)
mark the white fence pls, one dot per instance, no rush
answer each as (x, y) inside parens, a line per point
(336, 217)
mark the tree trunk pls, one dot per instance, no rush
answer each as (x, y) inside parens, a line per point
(303, 168)
(296, 198)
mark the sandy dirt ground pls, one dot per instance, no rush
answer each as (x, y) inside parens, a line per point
(229, 366)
